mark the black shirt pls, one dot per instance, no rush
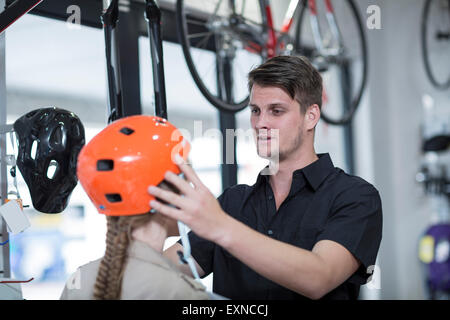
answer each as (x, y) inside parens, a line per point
(323, 203)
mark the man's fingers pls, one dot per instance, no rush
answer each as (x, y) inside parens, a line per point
(183, 186)
(167, 196)
(188, 172)
(169, 211)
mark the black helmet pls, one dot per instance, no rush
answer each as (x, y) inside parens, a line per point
(58, 136)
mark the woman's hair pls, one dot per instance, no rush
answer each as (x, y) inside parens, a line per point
(295, 75)
(108, 285)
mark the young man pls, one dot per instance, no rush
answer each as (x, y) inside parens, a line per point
(307, 230)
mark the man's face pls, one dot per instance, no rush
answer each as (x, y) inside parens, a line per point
(276, 121)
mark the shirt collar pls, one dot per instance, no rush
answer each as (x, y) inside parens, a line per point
(315, 173)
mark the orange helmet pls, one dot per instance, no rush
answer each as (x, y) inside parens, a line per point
(116, 167)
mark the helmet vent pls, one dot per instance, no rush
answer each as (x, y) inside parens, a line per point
(51, 169)
(33, 151)
(126, 131)
(105, 165)
(113, 197)
(75, 129)
(58, 137)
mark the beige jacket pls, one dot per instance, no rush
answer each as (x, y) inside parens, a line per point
(148, 276)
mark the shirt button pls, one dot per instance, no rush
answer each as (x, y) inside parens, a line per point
(270, 197)
(270, 232)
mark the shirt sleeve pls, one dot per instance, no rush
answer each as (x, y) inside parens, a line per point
(202, 250)
(356, 223)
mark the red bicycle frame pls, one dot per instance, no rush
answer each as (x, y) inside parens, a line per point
(274, 41)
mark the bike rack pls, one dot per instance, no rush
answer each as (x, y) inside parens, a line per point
(153, 16)
(349, 147)
(110, 19)
(14, 11)
(227, 120)
(117, 108)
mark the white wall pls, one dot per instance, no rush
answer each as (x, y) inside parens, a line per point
(397, 83)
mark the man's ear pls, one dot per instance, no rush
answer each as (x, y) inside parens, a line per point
(312, 116)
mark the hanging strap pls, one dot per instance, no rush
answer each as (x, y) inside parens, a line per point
(185, 256)
(12, 162)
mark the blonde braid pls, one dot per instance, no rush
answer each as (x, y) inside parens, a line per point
(109, 277)
(108, 285)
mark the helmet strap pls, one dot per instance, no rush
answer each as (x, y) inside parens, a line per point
(11, 160)
(186, 257)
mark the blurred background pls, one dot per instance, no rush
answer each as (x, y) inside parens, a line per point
(54, 63)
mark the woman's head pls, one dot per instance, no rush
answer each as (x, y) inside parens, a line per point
(115, 168)
(119, 234)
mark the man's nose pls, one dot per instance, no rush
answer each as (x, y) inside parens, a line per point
(262, 121)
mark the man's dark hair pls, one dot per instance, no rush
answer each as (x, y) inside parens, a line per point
(293, 74)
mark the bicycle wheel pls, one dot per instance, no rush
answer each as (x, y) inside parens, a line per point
(339, 53)
(222, 41)
(435, 37)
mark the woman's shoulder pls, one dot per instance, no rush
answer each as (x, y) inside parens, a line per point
(157, 280)
(79, 286)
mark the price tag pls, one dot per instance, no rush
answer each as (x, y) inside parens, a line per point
(12, 212)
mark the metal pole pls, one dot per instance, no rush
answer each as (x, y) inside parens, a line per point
(128, 38)
(153, 16)
(5, 271)
(227, 120)
(109, 19)
(348, 128)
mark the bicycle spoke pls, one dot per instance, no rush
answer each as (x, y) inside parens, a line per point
(200, 34)
(208, 72)
(251, 21)
(202, 44)
(195, 22)
(217, 7)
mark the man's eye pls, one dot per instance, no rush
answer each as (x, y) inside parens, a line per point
(275, 111)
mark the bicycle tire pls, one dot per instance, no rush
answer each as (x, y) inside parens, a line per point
(212, 98)
(355, 101)
(425, 54)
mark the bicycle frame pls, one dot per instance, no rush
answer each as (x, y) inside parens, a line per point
(109, 19)
(319, 39)
(275, 44)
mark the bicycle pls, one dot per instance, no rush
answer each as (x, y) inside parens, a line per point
(228, 34)
(435, 40)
